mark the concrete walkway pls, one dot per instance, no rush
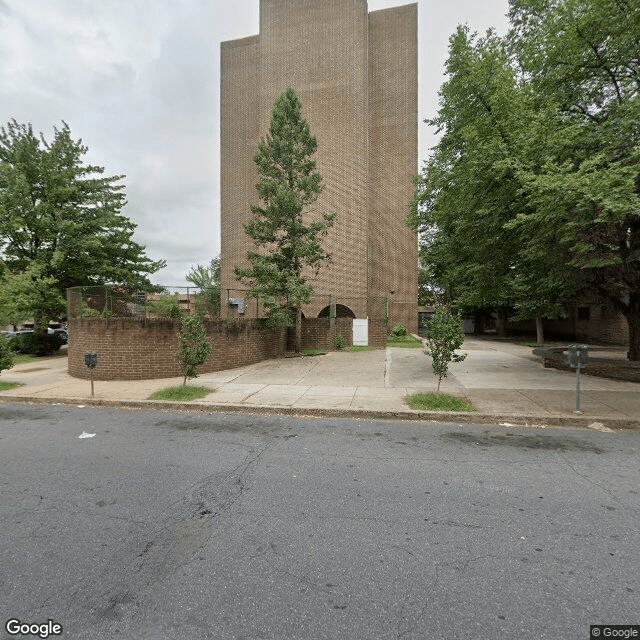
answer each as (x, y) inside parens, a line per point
(503, 380)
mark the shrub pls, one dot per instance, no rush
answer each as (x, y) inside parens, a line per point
(6, 357)
(90, 312)
(165, 307)
(37, 344)
(339, 342)
(398, 331)
(194, 348)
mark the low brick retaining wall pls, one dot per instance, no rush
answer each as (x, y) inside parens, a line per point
(139, 349)
(614, 368)
(317, 333)
(132, 349)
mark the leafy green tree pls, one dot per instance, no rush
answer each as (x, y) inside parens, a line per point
(444, 336)
(290, 245)
(471, 190)
(60, 224)
(580, 58)
(207, 279)
(429, 292)
(194, 347)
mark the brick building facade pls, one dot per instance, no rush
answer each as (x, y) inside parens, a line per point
(357, 76)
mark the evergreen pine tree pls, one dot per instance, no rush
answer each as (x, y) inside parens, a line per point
(289, 244)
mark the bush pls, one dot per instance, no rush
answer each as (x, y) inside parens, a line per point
(398, 331)
(194, 347)
(165, 307)
(6, 357)
(89, 312)
(37, 344)
(339, 342)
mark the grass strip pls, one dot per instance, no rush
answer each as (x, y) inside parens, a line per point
(5, 386)
(437, 402)
(180, 394)
(408, 342)
(23, 358)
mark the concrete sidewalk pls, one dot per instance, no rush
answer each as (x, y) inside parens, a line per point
(504, 381)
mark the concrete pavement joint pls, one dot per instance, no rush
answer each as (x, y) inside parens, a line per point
(387, 368)
(254, 393)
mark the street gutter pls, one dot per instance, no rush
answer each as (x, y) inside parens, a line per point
(410, 415)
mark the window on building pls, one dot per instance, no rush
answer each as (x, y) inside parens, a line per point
(584, 313)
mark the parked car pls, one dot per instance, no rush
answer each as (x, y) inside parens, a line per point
(59, 332)
(10, 335)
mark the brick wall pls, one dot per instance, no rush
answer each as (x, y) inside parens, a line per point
(615, 368)
(393, 160)
(604, 326)
(130, 349)
(378, 333)
(318, 333)
(357, 76)
(404, 313)
(239, 136)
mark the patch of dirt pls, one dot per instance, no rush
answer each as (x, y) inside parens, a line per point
(517, 441)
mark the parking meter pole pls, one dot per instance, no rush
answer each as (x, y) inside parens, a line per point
(577, 356)
(91, 360)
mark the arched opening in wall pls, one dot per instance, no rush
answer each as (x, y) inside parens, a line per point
(342, 311)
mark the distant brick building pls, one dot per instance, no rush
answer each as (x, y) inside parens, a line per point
(357, 76)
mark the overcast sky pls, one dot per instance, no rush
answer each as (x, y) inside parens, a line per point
(138, 81)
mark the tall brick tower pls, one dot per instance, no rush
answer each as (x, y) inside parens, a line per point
(357, 76)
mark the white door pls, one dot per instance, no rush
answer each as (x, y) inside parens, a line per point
(360, 332)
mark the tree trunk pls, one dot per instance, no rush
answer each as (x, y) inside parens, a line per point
(40, 324)
(477, 324)
(502, 324)
(633, 319)
(539, 331)
(298, 330)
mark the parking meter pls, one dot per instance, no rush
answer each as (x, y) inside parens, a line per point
(577, 356)
(91, 360)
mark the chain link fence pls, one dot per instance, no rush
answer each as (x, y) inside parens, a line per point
(215, 304)
(126, 302)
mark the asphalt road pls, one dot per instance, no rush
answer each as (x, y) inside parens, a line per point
(174, 526)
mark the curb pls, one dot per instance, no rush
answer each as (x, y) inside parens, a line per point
(410, 415)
